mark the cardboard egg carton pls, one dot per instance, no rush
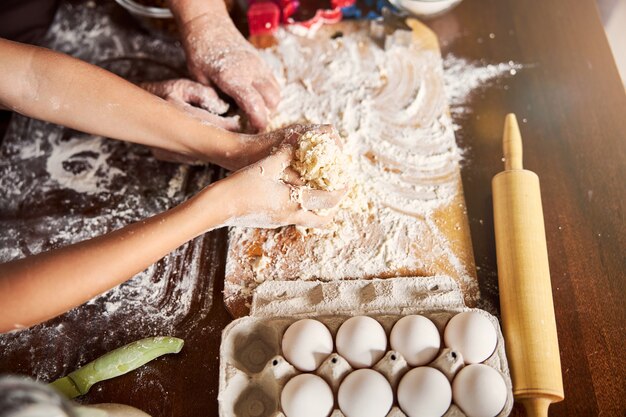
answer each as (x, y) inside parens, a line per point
(253, 371)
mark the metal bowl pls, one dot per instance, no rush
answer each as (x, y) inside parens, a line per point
(158, 21)
(137, 9)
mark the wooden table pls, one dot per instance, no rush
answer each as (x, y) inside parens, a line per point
(571, 106)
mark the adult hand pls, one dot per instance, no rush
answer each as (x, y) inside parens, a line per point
(263, 195)
(195, 99)
(217, 52)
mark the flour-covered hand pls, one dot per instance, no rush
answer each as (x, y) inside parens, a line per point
(217, 52)
(260, 195)
(247, 149)
(195, 99)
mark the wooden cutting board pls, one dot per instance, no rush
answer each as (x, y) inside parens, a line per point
(423, 243)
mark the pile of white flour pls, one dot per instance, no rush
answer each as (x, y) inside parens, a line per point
(390, 106)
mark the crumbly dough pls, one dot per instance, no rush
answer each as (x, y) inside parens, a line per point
(321, 162)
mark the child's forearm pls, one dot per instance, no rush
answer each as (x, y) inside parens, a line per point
(40, 287)
(57, 88)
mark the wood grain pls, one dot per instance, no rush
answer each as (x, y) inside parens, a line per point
(571, 106)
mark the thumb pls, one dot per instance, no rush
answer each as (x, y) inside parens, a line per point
(276, 163)
(321, 200)
(310, 219)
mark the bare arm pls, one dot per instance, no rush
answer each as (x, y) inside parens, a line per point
(43, 286)
(217, 52)
(40, 287)
(54, 87)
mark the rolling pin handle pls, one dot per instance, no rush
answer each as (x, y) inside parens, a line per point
(537, 407)
(512, 144)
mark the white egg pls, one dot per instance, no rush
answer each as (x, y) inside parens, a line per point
(362, 341)
(306, 343)
(416, 338)
(472, 335)
(479, 390)
(365, 393)
(307, 395)
(424, 392)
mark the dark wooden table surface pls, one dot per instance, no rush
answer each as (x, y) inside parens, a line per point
(573, 106)
(572, 110)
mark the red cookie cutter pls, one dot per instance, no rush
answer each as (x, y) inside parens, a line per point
(309, 27)
(263, 18)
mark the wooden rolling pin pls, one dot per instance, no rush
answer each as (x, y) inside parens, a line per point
(524, 280)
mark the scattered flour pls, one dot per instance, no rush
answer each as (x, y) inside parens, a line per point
(59, 187)
(390, 106)
(81, 165)
(461, 78)
(176, 183)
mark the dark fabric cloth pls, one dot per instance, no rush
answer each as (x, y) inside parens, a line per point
(26, 20)
(5, 118)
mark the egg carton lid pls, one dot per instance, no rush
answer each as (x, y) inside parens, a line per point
(406, 295)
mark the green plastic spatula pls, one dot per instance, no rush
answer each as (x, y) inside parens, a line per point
(115, 363)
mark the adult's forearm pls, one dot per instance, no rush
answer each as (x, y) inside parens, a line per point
(43, 286)
(57, 88)
(186, 10)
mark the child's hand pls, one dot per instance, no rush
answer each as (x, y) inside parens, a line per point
(197, 100)
(251, 148)
(267, 195)
(216, 52)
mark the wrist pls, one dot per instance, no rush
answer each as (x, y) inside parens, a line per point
(215, 145)
(185, 11)
(210, 209)
(198, 139)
